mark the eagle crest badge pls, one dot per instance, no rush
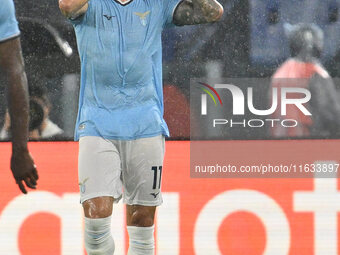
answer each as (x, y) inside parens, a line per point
(142, 16)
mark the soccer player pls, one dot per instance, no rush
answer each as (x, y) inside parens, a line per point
(120, 123)
(11, 63)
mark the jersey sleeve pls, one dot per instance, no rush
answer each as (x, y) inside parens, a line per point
(8, 23)
(169, 7)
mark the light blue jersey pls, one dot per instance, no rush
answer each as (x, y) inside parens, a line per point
(121, 94)
(8, 23)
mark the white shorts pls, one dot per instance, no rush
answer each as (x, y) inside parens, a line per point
(107, 167)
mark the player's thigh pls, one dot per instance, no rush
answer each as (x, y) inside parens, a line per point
(142, 171)
(99, 172)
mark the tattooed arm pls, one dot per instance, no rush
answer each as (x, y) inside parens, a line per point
(190, 12)
(73, 8)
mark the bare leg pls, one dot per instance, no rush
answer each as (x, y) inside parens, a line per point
(140, 216)
(99, 207)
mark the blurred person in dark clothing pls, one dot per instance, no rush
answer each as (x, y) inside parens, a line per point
(36, 119)
(47, 129)
(11, 63)
(304, 70)
(40, 125)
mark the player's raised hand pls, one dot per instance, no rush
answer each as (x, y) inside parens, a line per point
(24, 170)
(191, 12)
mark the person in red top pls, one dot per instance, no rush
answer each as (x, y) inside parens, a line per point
(303, 70)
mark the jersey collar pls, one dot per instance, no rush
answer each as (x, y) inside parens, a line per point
(123, 3)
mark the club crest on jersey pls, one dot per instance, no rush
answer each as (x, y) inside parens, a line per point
(142, 16)
(82, 185)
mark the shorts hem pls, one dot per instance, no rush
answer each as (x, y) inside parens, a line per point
(116, 198)
(143, 202)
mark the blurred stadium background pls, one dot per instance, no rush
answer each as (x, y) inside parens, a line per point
(249, 42)
(265, 216)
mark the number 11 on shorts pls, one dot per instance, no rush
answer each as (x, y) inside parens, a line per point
(155, 170)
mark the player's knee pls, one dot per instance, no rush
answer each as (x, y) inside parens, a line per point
(142, 217)
(97, 236)
(99, 207)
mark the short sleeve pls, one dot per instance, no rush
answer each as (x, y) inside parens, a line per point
(8, 23)
(169, 7)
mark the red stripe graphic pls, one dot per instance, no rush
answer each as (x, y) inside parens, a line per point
(208, 86)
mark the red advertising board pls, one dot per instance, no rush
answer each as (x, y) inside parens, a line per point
(209, 216)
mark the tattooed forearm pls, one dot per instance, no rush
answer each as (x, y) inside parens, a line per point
(190, 12)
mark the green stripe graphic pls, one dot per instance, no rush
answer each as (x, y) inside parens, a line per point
(208, 92)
